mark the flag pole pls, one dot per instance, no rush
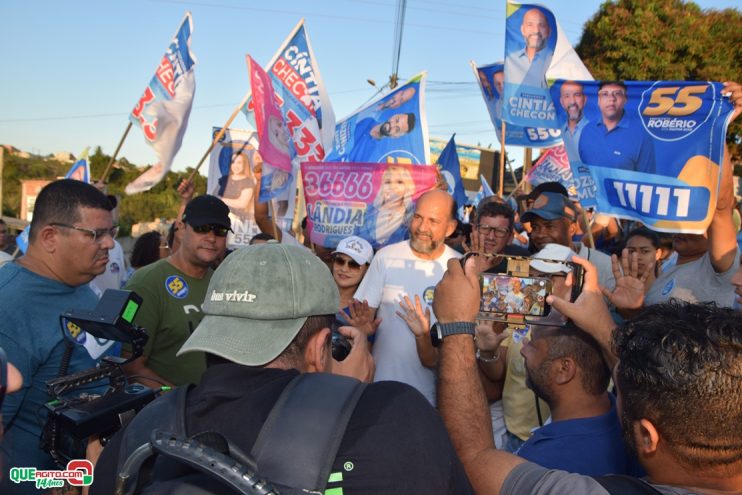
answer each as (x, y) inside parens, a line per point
(527, 162)
(219, 135)
(115, 154)
(273, 219)
(501, 180)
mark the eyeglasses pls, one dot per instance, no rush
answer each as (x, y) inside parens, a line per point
(94, 235)
(499, 231)
(612, 94)
(341, 262)
(218, 230)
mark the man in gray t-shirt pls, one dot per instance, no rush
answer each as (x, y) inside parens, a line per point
(674, 369)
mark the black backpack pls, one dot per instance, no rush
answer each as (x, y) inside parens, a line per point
(158, 456)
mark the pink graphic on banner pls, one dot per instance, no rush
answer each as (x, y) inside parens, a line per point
(272, 132)
(371, 200)
(553, 166)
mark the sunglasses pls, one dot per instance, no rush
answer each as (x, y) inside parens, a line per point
(218, 230)
(341, 262)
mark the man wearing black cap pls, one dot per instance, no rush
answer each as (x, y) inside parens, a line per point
(173, 290)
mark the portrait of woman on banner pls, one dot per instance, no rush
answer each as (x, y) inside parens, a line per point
(237, 183)
(389, 214)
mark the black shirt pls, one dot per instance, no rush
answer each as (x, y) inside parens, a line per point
(395, 441)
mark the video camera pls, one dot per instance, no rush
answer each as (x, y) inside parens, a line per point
(72, 420)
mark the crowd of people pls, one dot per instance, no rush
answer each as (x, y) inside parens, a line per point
(638, 374)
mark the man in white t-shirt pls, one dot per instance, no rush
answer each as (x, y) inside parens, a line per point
(409, 268)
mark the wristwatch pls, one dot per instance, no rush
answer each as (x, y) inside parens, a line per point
(441, 330)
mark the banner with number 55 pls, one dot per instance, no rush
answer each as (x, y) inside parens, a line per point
(646, 150)
(371, 200)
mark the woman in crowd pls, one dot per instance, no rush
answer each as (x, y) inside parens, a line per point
(148, 248)
(350, 261)
(646, 244)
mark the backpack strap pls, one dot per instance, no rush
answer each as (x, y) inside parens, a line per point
(299, 441)
(167, 413)
(619, 484)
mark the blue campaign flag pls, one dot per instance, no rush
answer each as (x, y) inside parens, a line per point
(448, 164)
(392, 128)
(80, 170)
(491, 82)
(485, 191)
(649, 151)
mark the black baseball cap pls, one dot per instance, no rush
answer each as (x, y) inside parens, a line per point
(554, 187)
(207, 210)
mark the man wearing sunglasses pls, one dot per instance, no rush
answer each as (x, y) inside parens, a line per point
(71, 233)
(173, 290)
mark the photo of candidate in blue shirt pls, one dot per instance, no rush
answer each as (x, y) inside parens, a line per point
(572, 98)
(616, 140)
(528, 66)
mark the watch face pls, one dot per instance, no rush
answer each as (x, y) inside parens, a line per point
(435, 335)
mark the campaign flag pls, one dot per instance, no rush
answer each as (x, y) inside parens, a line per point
(371, 200)
(391, 129)
(301, 93)
(553, 166)
(273, 135)
(491, 83)
(485, 191)
(650, 150)
(232, 178)
(80, 170)
(536, 51)
(162, 111)
(450, 168)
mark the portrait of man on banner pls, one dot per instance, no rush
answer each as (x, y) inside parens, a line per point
(531, 38)
(392, 126)
(232, 178)
(646, 150)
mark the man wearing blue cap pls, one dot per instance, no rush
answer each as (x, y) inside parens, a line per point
(553, 219)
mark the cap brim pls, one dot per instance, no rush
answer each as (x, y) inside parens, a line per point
(243, 340)
(354, 256)
(545, 214)
(198, 222)
(549, 266)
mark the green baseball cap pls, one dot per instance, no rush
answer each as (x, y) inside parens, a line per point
(257, 301)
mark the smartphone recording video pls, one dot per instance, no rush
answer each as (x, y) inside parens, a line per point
(506, 294)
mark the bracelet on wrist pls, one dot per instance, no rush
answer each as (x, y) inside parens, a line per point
(484, 359)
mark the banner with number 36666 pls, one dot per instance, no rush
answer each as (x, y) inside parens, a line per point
(646, 150)
(371, 200)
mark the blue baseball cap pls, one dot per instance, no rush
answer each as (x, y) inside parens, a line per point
(551, 206)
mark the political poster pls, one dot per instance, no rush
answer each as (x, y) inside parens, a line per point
(232, 178)
(648, 150)
(80, 170)
(536, 51)
(306, 110)
(553, 166)
(469, 157)
(371, 200)
(391, 129)
(163, 110)
(491, 79)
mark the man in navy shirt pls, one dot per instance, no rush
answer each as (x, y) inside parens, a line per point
(616, 140)
(564, 367)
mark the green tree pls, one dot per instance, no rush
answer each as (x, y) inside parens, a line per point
(665, 40)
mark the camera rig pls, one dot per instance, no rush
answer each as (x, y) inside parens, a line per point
(71, 420)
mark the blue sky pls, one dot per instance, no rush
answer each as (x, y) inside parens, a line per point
(73, 69)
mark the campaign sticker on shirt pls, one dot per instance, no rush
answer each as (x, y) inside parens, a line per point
(74, 331)
(519, 334)
(668, 287)
(428, 294)
(176, 286)
(114, 267)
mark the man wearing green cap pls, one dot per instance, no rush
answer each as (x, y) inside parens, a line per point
(267, 318)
